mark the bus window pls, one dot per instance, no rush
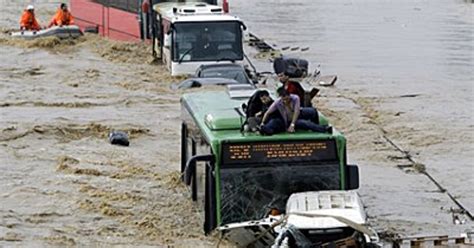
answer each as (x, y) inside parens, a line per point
(207, 41)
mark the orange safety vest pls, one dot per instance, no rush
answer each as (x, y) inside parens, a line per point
(62, 18)
(28, 21)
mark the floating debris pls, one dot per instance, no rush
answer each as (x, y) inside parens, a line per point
(119, 138)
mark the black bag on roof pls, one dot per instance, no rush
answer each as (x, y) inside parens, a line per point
(293, 67)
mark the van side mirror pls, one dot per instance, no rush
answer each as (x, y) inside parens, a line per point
(352, 179)
(242, 25)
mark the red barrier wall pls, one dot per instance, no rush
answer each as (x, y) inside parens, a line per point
(113, 23)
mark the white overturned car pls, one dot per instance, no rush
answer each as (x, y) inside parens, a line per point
(312, 219)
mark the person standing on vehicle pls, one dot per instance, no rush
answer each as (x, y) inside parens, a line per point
(28, 20)
(62, 17)
(293, 117)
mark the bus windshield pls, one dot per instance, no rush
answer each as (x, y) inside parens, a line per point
(258, 177)
(207, 41)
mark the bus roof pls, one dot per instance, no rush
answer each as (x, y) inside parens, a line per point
(192, 12)
(218, 118)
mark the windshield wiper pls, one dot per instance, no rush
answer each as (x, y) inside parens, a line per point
(184, 54)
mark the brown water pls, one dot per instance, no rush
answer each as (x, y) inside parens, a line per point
(405, 74)
(62, 184)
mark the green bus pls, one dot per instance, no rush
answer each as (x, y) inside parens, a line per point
(238, 176)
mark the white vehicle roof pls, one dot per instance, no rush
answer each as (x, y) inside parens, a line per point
(192, 12)
(345, 204)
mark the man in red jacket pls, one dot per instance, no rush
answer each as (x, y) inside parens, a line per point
(291, 86)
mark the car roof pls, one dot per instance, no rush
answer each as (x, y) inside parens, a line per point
(198, 82)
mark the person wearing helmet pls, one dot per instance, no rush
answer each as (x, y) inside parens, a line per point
(62, 17)
(28, 20)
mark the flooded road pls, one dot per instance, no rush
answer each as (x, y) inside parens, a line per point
(62, 183)
(405, 76)
(406, 83)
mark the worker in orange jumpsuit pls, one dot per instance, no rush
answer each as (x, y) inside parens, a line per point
(62, 17)
(28, 20)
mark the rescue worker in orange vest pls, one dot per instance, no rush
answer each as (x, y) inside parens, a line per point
(28, 20)
(62, 17)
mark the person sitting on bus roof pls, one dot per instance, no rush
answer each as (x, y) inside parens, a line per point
(256, 107)
(28, 20)
(63, 17)
(293, 117)
(291, 86)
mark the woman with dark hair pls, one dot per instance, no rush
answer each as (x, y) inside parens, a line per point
(257, 105)
(293, 116)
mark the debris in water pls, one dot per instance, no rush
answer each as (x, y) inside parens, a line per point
(60, 240)
(65, 164)
(119, 138)
(11, 236)
(421, 168)
(410, 95)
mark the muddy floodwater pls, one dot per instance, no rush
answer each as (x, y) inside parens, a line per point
(404, 100)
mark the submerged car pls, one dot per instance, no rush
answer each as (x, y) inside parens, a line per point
(334, 218)
(227, 70)
(217, 74)
(199, 82)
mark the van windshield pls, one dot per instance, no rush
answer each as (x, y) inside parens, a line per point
(207, 41)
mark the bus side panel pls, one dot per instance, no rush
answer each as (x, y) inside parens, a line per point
(123, 25)
(109, 19)
(88, 14)
(196, 144)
